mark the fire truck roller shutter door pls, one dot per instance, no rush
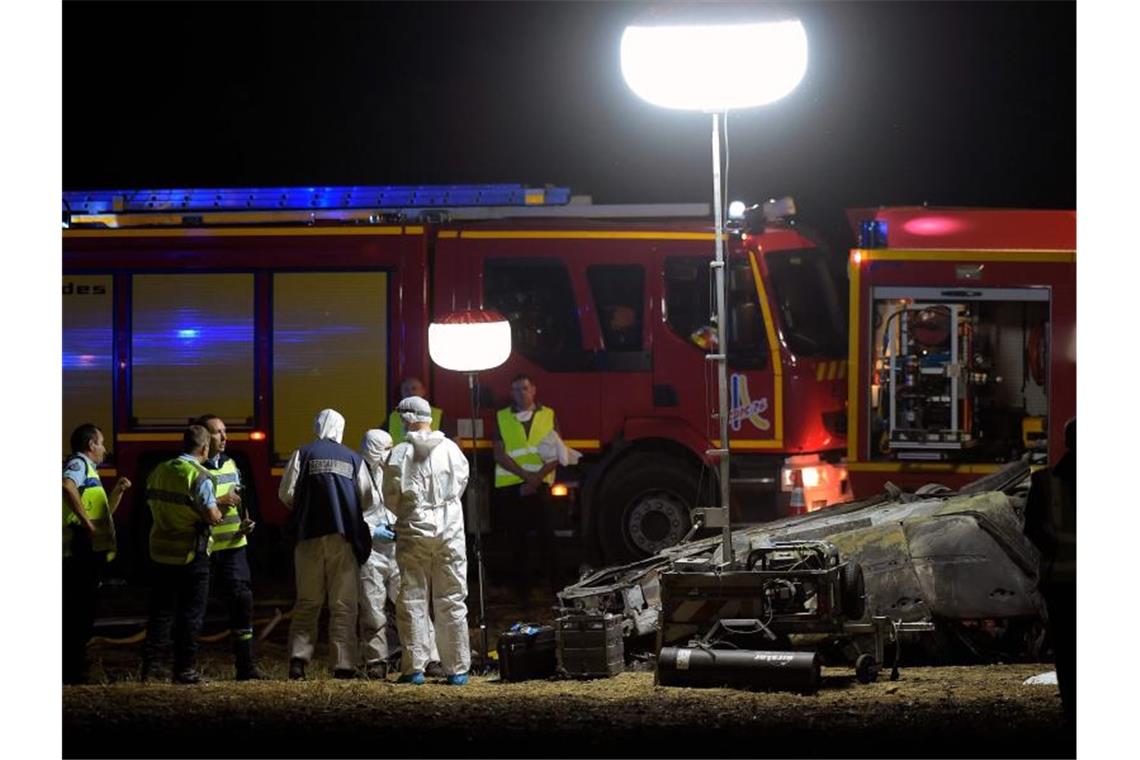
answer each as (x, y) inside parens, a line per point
(645, 502)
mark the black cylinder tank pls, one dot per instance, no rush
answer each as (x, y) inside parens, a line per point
(738, 668)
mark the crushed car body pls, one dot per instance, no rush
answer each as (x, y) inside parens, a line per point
(959, 561)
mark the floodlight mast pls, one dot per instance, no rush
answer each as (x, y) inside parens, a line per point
(721, 355)
(471, 341)
(684, 67)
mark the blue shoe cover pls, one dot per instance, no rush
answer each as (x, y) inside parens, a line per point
(416, 678)
(459, 679)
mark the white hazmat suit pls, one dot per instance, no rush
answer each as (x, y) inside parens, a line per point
(380, 575)
(423, 484)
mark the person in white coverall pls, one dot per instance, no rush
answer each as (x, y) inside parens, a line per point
(423, 484)
(380, 575)
(328, 487)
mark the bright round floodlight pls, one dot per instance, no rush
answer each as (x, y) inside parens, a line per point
(736, 210)
(715, 67)
(470, 341)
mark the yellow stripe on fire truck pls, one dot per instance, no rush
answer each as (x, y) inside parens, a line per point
(831, 370)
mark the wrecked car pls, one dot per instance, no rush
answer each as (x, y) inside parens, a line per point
(958, 561)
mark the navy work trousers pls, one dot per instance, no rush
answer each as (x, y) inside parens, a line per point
(178, 602)
(80, 593)
(229, 575)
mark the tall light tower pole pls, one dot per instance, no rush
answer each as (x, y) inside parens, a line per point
(715, 68)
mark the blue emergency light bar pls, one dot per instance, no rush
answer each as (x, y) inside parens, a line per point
(302, 198)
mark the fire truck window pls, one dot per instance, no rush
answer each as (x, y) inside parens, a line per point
(807, 303)
(619, 297)
(191, 348)
(688, 310)
(537, 298)
(88, 350)
(330, 349)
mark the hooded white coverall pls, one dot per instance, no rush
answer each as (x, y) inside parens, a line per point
(325, 567)
(424, 482)
(380, 575)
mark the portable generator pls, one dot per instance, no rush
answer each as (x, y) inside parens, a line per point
(772, 623)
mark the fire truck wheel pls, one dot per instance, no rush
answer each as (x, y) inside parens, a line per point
(854, 591)
(645, 503)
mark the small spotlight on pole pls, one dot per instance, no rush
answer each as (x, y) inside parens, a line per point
(472, 341)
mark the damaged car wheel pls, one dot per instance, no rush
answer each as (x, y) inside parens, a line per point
(854, 591)
(866, 669)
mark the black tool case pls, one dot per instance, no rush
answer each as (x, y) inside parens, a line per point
(590, 645)
(527, 652)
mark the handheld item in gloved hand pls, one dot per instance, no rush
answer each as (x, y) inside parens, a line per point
(526, 651)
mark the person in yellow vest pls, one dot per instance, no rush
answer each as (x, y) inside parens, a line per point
(1051, 524)
(523, 480)
(88, 543)
(411, 386)
(229, 567)
(180, 493)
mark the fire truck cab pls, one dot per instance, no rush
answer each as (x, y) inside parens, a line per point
(963, 341)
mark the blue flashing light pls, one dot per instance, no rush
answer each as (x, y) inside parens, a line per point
(873, 233)
(305, 198)
(188, 334)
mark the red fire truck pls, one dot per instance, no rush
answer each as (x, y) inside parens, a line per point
(264, 306)
(963, 336)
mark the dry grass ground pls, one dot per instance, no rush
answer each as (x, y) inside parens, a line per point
(976, 711)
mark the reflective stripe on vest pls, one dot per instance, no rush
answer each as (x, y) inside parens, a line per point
(175, 535)
(521, 447)
(94, 500)
(396, 423)
(225, 534)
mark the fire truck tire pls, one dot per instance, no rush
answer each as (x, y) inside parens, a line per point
(853, 595)
(644, 505)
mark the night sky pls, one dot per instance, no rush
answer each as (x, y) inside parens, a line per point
(941, 102)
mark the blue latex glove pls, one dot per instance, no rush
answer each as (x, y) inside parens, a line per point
(384, 533)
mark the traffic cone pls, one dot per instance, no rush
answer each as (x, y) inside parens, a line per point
(797, 505)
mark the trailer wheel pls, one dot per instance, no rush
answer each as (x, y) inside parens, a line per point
(854, 591)
(645, 503)
(866, 669)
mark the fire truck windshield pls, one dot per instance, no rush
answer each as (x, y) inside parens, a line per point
(811, 316)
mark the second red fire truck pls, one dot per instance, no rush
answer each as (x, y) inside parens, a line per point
(963, 331)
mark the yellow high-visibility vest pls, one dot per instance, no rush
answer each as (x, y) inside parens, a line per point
(95, 506)
(521, 447)
(177, 526)
(225, 533)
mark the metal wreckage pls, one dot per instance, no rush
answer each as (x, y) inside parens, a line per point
(936, 576)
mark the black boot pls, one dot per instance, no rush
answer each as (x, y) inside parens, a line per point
(296, 669)
(188, 676)
(245, 666)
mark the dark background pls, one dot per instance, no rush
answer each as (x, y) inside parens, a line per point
(949, 103)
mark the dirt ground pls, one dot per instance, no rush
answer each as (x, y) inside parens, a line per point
(965, 711)
(974, 711)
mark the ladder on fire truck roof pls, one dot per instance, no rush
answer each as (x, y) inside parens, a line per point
(347, 204)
